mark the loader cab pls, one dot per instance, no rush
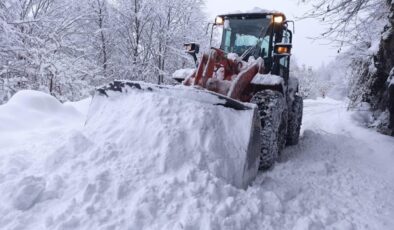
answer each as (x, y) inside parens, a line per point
(264, 35)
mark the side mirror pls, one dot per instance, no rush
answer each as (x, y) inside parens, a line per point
(193, 49)
(292, 22)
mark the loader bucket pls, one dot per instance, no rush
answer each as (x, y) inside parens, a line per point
(179, 126)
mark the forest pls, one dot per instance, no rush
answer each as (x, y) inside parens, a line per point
(66, 48)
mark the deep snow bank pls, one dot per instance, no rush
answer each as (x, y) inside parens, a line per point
(30, 109)
(81, 106)
(141, 162)
(340, 176)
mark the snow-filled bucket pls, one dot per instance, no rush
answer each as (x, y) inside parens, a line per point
(169, 128)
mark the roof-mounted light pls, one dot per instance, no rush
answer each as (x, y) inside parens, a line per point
(219, 21)
(278, 19)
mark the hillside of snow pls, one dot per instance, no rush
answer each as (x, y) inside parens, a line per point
(136, 164)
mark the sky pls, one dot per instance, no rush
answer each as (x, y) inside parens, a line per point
(307, 51)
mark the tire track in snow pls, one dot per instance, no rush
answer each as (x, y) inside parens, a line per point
(328, 181)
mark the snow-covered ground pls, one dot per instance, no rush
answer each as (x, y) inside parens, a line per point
(58, 173)
(340, 176)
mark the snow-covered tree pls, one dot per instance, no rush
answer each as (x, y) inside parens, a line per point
(67, 47)
(365, 28)
(44, 45)
(151, 34)
(349, 21)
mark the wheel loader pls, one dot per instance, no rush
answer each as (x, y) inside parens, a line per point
(249, 71)
(252, 65)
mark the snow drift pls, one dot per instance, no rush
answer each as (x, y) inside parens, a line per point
(30, 109)
(142, 161)
(97, 176)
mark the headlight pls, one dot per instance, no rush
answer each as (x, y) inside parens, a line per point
(282, 50)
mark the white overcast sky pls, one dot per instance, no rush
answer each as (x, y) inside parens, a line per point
(309, 52)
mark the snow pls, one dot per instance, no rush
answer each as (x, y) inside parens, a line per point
(293, 87)
(372, 68)
(255, 10)
(29, 109)
(183, 73)
(387, 34)
(130, 168)
(81, 106)
(233, 56)
(30, 191)
(374, 47)
(184, 92)
(390, 79)
(176, 130)
(267, 79)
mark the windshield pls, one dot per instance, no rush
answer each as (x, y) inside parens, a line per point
(239, 35)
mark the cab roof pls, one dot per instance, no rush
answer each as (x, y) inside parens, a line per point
(253, 13)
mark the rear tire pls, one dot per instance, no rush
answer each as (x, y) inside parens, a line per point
(273, 117)
(295, 119)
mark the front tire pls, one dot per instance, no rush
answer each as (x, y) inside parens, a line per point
(273, 117)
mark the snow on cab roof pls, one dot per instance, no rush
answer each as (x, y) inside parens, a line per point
(255, 10)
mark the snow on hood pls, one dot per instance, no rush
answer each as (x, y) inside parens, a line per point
(267, 79)
(183, 73)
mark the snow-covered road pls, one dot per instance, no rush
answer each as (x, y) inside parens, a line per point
(54, 174)
(340, 176)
